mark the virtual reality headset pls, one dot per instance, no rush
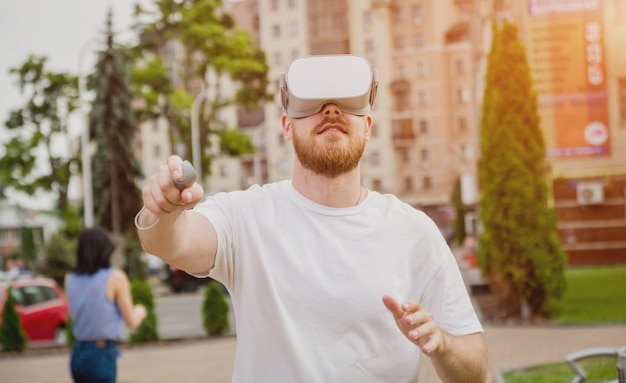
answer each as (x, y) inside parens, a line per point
(313, 81)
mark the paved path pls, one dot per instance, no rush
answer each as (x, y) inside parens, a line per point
(211, 360)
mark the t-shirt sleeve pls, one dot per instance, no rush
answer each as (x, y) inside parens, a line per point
(448, 300)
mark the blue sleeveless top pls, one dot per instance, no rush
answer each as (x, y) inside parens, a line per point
(93, 315)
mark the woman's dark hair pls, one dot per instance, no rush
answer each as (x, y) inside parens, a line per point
(93, 251)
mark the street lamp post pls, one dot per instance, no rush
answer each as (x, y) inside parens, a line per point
(86, 156)
(195, 134)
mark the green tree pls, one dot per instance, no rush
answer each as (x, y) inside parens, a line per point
(214, 310)
(459, 219)
(148, 329)
(112, 125)
(39, 133)
(12, 335)
(520, 251)
(204, 50)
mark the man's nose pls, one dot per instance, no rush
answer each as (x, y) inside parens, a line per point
(330, 110)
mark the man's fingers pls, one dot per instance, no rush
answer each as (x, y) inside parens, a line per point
(393, 306)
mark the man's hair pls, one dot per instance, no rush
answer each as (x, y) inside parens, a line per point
(93, 251)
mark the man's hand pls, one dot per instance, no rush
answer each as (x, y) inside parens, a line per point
(455, 358)
(417, 325)
(160, 194)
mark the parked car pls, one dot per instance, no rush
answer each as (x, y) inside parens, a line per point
(179, 281)
(42, 306)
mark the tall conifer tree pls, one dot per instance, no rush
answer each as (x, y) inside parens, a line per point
(113, 128)
(520, 250)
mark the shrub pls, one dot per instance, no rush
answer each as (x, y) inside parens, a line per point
(12, 335)
(214, 310)
(147, 331)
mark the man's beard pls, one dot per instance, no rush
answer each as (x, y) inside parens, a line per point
(328, 159)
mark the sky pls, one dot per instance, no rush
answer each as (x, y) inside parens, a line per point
(67, 32)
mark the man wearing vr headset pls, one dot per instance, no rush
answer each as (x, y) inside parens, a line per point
(330, 282)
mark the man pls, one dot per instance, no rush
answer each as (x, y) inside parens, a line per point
(330, 282)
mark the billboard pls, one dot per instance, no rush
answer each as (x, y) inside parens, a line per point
(567, 61)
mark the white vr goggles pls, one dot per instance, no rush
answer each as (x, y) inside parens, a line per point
(345, 80)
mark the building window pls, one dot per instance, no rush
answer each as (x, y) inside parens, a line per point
(463, 95)
(422, 98)
(367, 20)
(274, 5)
(369, 47)
(418, 14)
(223, 171)
(622, 98)
(402, 70)
(408, 184)
(460, 66)
(418, 40)
(276, 31)
(421, 69)
(462, 124)
(423, 126)
(402, 101)
(278, 59)
(375, 158)
(292, 3)
(426, 183)
(400, 42)
(406, 156)
(292, 29)
(399, 14)
(156, 150)
(377, 184)
(424, 155)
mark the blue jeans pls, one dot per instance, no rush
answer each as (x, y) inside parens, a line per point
(94, 361)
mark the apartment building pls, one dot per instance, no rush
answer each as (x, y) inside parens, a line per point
(425, 125)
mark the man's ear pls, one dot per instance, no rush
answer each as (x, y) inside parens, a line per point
(287, 126)
(368, 130)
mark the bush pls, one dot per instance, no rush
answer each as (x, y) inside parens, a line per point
(214, 310)
(134, 266)
(147, 331)
(12, 335)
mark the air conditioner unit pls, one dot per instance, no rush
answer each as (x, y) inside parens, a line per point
(590, 193)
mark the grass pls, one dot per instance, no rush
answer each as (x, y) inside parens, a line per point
(598, 370)
(593, 295)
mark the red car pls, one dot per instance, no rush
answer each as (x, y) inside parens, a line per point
(42, 306)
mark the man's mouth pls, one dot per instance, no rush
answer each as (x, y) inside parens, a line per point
(332, 128)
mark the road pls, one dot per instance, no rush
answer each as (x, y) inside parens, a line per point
(180, 316)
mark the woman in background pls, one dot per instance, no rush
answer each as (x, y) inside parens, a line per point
(99, 298)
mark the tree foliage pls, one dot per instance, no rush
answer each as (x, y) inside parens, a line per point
(40, 129)
(13, 338)
(520, 251)
(189, 47)
(113, 127)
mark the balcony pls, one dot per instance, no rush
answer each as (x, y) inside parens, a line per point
(403, 133)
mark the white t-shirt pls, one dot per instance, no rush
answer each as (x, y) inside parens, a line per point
(307, 282)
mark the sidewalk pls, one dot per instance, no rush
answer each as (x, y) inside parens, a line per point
(211, 360)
